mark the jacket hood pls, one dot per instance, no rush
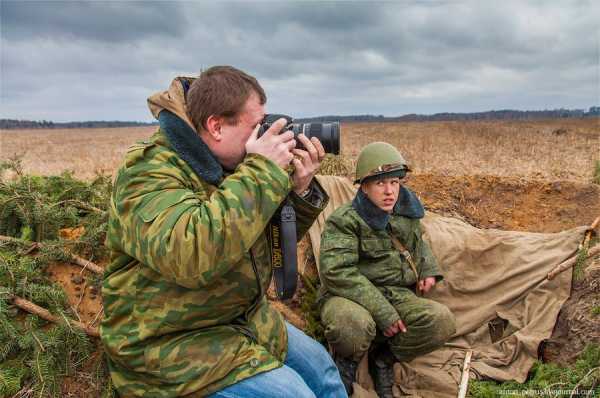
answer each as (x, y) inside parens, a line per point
(169, 108)
(173, 99)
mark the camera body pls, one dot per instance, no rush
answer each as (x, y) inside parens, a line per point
(327, 133)
(282, 228)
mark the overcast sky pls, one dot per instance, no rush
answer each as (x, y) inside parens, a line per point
(100, 60)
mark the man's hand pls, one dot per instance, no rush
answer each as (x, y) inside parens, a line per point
(307, 162)
(272, 145)
(426, 284)
(394, 329)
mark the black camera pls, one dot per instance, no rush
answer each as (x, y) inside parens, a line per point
(327, 133)
(282, 228)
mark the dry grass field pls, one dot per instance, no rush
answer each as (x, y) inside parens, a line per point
(559, 149)
(86, 152)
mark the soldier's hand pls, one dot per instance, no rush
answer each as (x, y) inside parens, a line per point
(426, 284)
(272, 145)
(306, 162)
(394, 329)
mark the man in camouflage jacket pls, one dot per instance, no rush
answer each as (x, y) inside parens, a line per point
(185, 311)
(373, 261)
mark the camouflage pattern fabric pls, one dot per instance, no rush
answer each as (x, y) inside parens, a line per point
(367, 285)
(185, 311)
(350, 328)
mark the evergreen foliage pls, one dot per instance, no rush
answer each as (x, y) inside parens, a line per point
(310, 310)
(35, 354)
(34, 208)
(550, 380)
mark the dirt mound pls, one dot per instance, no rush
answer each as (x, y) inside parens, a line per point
(579, 320)
(510, 203)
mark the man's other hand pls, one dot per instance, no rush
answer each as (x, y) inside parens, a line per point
(394, 329)
(426, 284)
(306, 162)
(272, 145)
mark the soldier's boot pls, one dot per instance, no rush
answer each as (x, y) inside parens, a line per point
(381, 363)
(347, 368)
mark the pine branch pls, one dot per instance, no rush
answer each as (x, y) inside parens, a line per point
(82, 262)
(45, 314)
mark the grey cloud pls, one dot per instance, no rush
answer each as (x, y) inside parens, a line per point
(312, 57)
(91, 20)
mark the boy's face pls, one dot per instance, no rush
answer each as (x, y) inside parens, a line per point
(383, 192)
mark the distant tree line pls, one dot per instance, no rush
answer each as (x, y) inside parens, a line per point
(505, 114)
(46, 124)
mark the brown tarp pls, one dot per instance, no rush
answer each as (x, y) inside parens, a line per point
(495, 284)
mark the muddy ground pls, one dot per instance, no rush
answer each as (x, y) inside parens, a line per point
(483, 201)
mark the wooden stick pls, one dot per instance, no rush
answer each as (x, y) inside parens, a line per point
(82, 262)
(595, 223)
(464, 381)
(11, 239)
(570, 262)
(81, 205)
(588, 234)
(45, 314)
(93, 322)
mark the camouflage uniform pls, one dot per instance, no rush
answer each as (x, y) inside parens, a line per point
(184, 294)
(367, 284)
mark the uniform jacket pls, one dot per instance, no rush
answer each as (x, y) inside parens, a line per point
(358, 260)
(185, 310)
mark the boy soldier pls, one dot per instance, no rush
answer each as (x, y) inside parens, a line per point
(373, 265)
(185, 311)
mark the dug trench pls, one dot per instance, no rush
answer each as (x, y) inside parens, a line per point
(483, 201)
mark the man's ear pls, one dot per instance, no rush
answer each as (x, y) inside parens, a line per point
(213, 127)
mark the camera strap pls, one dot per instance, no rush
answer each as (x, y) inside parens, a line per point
(282, 233)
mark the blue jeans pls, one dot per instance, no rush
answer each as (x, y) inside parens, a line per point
(307, 372)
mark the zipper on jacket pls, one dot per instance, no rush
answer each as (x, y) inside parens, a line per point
(243, 328)
(260, 289)
(255, 268)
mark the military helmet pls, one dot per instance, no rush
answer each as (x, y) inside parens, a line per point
(380, 159)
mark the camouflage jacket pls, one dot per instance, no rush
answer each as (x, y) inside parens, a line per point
(358, 260)
(185, 310)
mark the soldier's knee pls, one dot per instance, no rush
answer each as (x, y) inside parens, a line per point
(350, 334)
(444, 323)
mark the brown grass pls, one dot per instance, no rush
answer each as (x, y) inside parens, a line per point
(83, 151)
(555, 149)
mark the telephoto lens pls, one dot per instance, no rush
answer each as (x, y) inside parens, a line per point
(327, 133)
